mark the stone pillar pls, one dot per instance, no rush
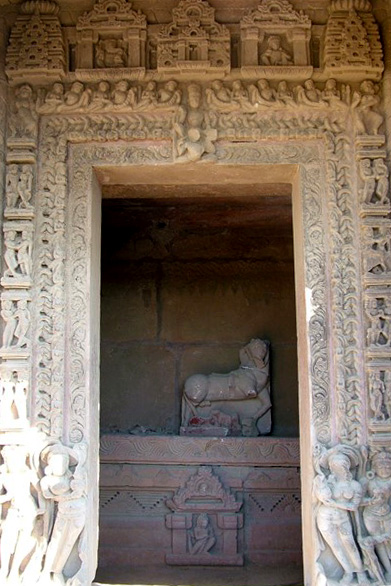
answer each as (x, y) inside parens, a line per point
(383, 16)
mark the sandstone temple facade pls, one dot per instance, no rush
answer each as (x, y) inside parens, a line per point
(229, 117)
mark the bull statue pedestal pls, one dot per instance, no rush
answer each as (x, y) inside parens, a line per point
(232, 404)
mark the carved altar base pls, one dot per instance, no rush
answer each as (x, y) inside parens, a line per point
(199, 501)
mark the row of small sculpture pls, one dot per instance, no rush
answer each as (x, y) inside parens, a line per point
(44, 513)
(226, 96)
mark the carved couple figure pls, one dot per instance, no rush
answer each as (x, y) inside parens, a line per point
(353, 517)
(45, 517)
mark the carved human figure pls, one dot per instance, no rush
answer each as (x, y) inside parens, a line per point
(191, 140)
(239, 93)
(201, 538)
(110, 53)
(377, 510)
(169, 94)
(17, 479)
(22, 315)
(12, 185)
(381, 173)
(120, 93)
(365, 104)
(24, 254)
(149, 96)
(378, 332)
(23, 122)
(274, 54)
(376, 394)
(53, 99)
(13, 405)
(217, 94)
(64, 483)
(101, 96)
(262, 93)
(76, 97)
(284, 94)
(9, 316)
(25, 186)
(339, 497)
(378, 239)
(368, 177)
(331, 94)
(10, 254)
(308, 93)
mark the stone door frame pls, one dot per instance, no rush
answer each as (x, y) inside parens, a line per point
(322, 153)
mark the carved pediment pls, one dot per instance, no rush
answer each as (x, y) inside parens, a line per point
(275, 12)
(352, 42)
(112, 13)
(194, 40)
(203, 490)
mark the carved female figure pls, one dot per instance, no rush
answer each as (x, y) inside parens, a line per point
(16, 479)
(339, 495)
(64, 483)
(377, 510)
(202, 537)
(10, 255)
(376, 391)
(9, 316)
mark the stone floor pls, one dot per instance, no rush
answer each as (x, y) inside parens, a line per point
(251, 575)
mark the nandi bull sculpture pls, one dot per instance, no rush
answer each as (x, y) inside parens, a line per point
(236, 403)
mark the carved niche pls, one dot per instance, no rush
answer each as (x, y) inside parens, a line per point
(275, 35)
(204, 523)
(36, 49)
(194, 41)
(111, 38)
(352, 42)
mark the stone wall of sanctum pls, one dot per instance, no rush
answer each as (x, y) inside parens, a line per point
(104, 96)
(184, 287)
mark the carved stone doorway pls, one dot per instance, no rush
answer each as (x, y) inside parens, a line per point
(272, 189)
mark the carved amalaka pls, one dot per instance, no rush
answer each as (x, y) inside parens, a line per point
(352, 42)
(236, 403)
(274, 35)
(111, 38)
(36, 49)
(194, 41)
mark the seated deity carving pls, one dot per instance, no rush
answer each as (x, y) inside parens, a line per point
(110, 53)
(236, 403)
(274, 54)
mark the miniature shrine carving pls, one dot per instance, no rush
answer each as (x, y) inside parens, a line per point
(194, 41)
(275, 35)
(237, 403)
(111, 37)
(204, 523)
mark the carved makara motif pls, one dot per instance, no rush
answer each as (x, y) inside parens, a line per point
(194, 41)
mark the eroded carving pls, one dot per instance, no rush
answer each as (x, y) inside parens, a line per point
(17, 255)
(237, 403)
